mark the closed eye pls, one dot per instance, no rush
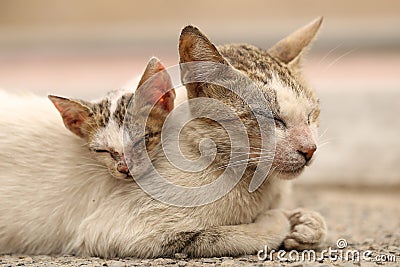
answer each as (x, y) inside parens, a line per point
(101, 151)
(279, 122)
(310, 116)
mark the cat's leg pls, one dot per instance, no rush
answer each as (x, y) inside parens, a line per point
(269, 229)
(308, 230)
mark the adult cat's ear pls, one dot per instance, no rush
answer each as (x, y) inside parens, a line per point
(195, 46)
(74, 114)
(156, 86)
(290, 49)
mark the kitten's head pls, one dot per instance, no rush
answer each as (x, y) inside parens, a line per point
(276, 74)
(101, 122)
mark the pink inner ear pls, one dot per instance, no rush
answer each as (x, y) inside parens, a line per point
(159, 67)
(160, 85)
(72, 113)
(74, 121)
(167, 101)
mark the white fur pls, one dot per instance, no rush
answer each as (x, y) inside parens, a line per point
(47, 178)
(292, 108)
(111, 135)
(113, 97)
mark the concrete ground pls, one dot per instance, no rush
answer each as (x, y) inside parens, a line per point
(367, 219)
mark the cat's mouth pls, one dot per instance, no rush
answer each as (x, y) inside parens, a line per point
(121, 171)
(291, 172)
(127, 175)
(121, 176)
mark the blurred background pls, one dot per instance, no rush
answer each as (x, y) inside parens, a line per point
(86, 48)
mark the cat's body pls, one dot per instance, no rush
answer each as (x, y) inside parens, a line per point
(107, 217)
(37, 200)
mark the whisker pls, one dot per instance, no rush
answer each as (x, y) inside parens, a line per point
(93, 165)
(322, 134)
(339, 58)
(323, 144)
(329, 52)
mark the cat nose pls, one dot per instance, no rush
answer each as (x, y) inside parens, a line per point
(308, 152)
(123, 168)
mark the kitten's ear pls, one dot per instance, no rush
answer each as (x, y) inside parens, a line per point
(195, 46)
(156, 86)
(74, 114)
(290, 49)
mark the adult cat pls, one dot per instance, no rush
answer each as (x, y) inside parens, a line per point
(239, 222)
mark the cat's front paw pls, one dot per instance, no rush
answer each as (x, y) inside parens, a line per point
(308, 230)
(274, 225)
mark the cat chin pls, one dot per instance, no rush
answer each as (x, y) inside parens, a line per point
(120, 176)
(290, 175)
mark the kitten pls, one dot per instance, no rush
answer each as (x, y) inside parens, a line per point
(50, 180)
(101, 123)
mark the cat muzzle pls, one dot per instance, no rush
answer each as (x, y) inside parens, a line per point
(123, 168)
(308, 152)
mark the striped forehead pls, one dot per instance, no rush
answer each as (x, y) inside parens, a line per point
(119, 106)
(113, 97)
(111, 108)
(101, 112)
(290, 103)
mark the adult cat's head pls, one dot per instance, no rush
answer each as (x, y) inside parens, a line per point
(276, 74)
(101, 123)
